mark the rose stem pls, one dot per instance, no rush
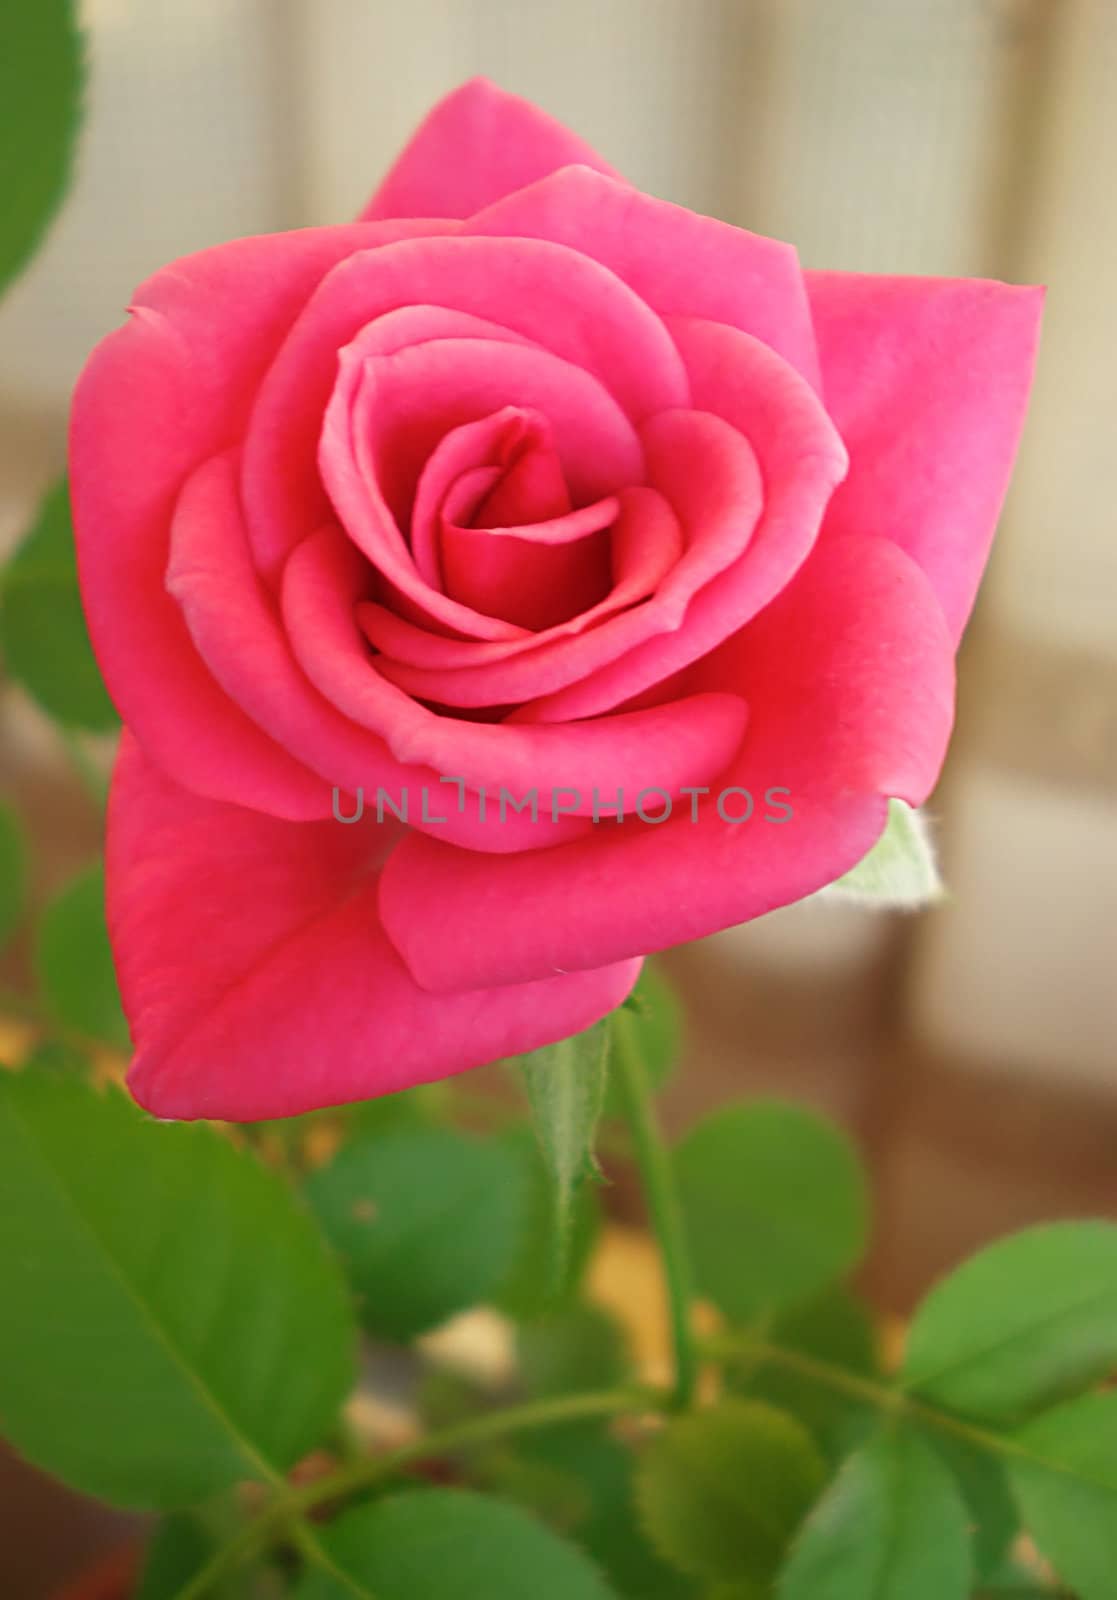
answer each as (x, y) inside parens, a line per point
(661, 1198)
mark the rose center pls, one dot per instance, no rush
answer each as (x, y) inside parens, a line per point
(510, 543)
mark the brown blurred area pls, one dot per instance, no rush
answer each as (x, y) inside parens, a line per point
(971, 1050)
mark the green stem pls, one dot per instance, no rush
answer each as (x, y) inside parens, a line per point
(662, 1199)
(883, 1397)
(307, 1542)
(355, 1477)
(490, 1425)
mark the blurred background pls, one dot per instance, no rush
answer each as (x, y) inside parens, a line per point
(971, 1050)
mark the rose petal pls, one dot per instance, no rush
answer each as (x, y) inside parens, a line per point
(234, 624)
(537, 575)
(681, 263)
(238, 635)
(256, 974)
(927, 380)
(706, 483)
(646, 545)
(157, 397)
(568, 304)
(532, 488)
(478, 144)
(801, 457)
(653, 746)
(758, 418)
(493, 442)
(388, 413)
(849, 674)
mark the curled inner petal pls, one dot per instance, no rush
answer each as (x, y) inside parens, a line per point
(534, 575)
(645, 543)
(684, 742)
(705, 501)
(388, 414)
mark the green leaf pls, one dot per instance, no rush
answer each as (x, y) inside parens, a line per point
(721, 1492)
(43, 635)
(775, 1202)
(74, 962)
(892, 1526)
(177, 1550)
(607, 1527)
(1011, 1581)
(581, 1347)
(1026, 1322)
(554, 1496)
(426, 1221)
(836, 1329)
(565, 1085)
(983, 1485)
(40, 105)
(55, 1055)
(541, 1277)
(13, 871)
(183, 1542)
(900, 871)
(172, 1322)
(657, 1026)
(444, 1544)
(417, 1107)
(1065, 1477)
(444, 1397)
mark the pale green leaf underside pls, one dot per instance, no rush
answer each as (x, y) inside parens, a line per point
(565, 1086)
(900, 871)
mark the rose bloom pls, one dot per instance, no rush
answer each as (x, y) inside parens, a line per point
(530, 480)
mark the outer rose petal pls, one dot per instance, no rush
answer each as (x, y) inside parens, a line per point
(256, 974)
(927, 380)
(477, 145)
(156, 398)
(850, 674)
(680, 262)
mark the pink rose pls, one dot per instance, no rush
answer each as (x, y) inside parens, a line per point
(527, 480)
